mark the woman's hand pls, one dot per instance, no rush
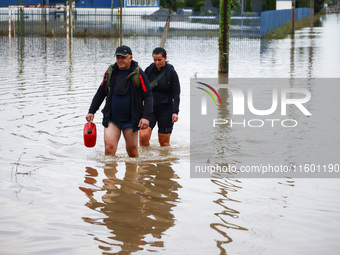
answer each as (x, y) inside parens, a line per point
(174, 117)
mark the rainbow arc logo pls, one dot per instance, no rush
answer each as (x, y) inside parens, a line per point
(209, 93)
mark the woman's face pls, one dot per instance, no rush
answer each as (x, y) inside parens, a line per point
(159, 60)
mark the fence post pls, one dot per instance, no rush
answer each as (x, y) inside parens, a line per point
(293, 16)
(71, 18)
(121, 23)
(67, 22)
(9, 22)
(311, 13)
(21, 20)
(225, 13)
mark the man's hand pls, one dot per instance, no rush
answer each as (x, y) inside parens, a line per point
(174, 117)
(89, 117)
(143, 124)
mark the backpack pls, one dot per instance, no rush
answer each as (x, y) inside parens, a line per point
(134, 76)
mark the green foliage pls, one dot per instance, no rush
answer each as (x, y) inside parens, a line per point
(180, 4)
(302, 3)
(272, 4)
(170, 4)
(318, 5)
(236, 4)
(196, 4)
(215, 3)
(248, 6)
(267, 5)
(250, 14)
(190, 3)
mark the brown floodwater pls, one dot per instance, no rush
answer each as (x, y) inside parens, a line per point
(59, 197)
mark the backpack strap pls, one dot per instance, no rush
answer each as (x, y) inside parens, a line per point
(154, 83)
(134, 76)
(107, 79)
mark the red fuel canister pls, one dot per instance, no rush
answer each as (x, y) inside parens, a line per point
(90, 134)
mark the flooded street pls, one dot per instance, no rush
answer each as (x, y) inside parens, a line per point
(59, 197)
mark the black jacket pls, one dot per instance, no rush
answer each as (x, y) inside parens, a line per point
(166, 93)
(141, 98)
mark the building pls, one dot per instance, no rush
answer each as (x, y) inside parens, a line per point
(283, 4)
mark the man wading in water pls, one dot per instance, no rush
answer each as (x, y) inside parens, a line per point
(129, 102)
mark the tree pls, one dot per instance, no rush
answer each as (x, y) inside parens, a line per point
(267, 5)
(170, 4)
(302, 3)
(318, 5)
(197, 4)
(215, 3)
(248, 6)
(272, 4)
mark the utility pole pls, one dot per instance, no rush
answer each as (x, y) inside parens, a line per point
(121, 23)
(45, 19)
(21, 20)
(293, 16)
(223, 67)
(112, 10)
(70, 19)
(311, 13)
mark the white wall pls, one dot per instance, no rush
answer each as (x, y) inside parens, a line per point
(282, 5)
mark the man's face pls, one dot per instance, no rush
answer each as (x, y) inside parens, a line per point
(123, 62)
(159, 60)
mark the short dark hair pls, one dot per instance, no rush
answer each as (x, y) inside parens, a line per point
(159, 50)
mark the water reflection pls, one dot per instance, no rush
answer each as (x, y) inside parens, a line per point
(136, 209)
(69, 52)
(292, 55)
(21, 55)
(228, 214)
(223, 133)
(310, 52)
(46, 91)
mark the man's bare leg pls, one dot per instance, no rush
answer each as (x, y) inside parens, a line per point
(131, 141)
(111, 139)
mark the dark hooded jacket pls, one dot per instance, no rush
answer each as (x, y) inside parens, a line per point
(141, 98)
(166, 95)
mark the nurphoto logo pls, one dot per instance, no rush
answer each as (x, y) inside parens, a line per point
(243, 102)
(264, 127)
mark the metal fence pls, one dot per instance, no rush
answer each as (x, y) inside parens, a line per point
(270, 20)
(38, 21)
(106, 22)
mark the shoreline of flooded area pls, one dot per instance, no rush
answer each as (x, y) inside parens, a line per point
(60, 197)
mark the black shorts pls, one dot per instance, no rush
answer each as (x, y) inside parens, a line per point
(163, 117)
